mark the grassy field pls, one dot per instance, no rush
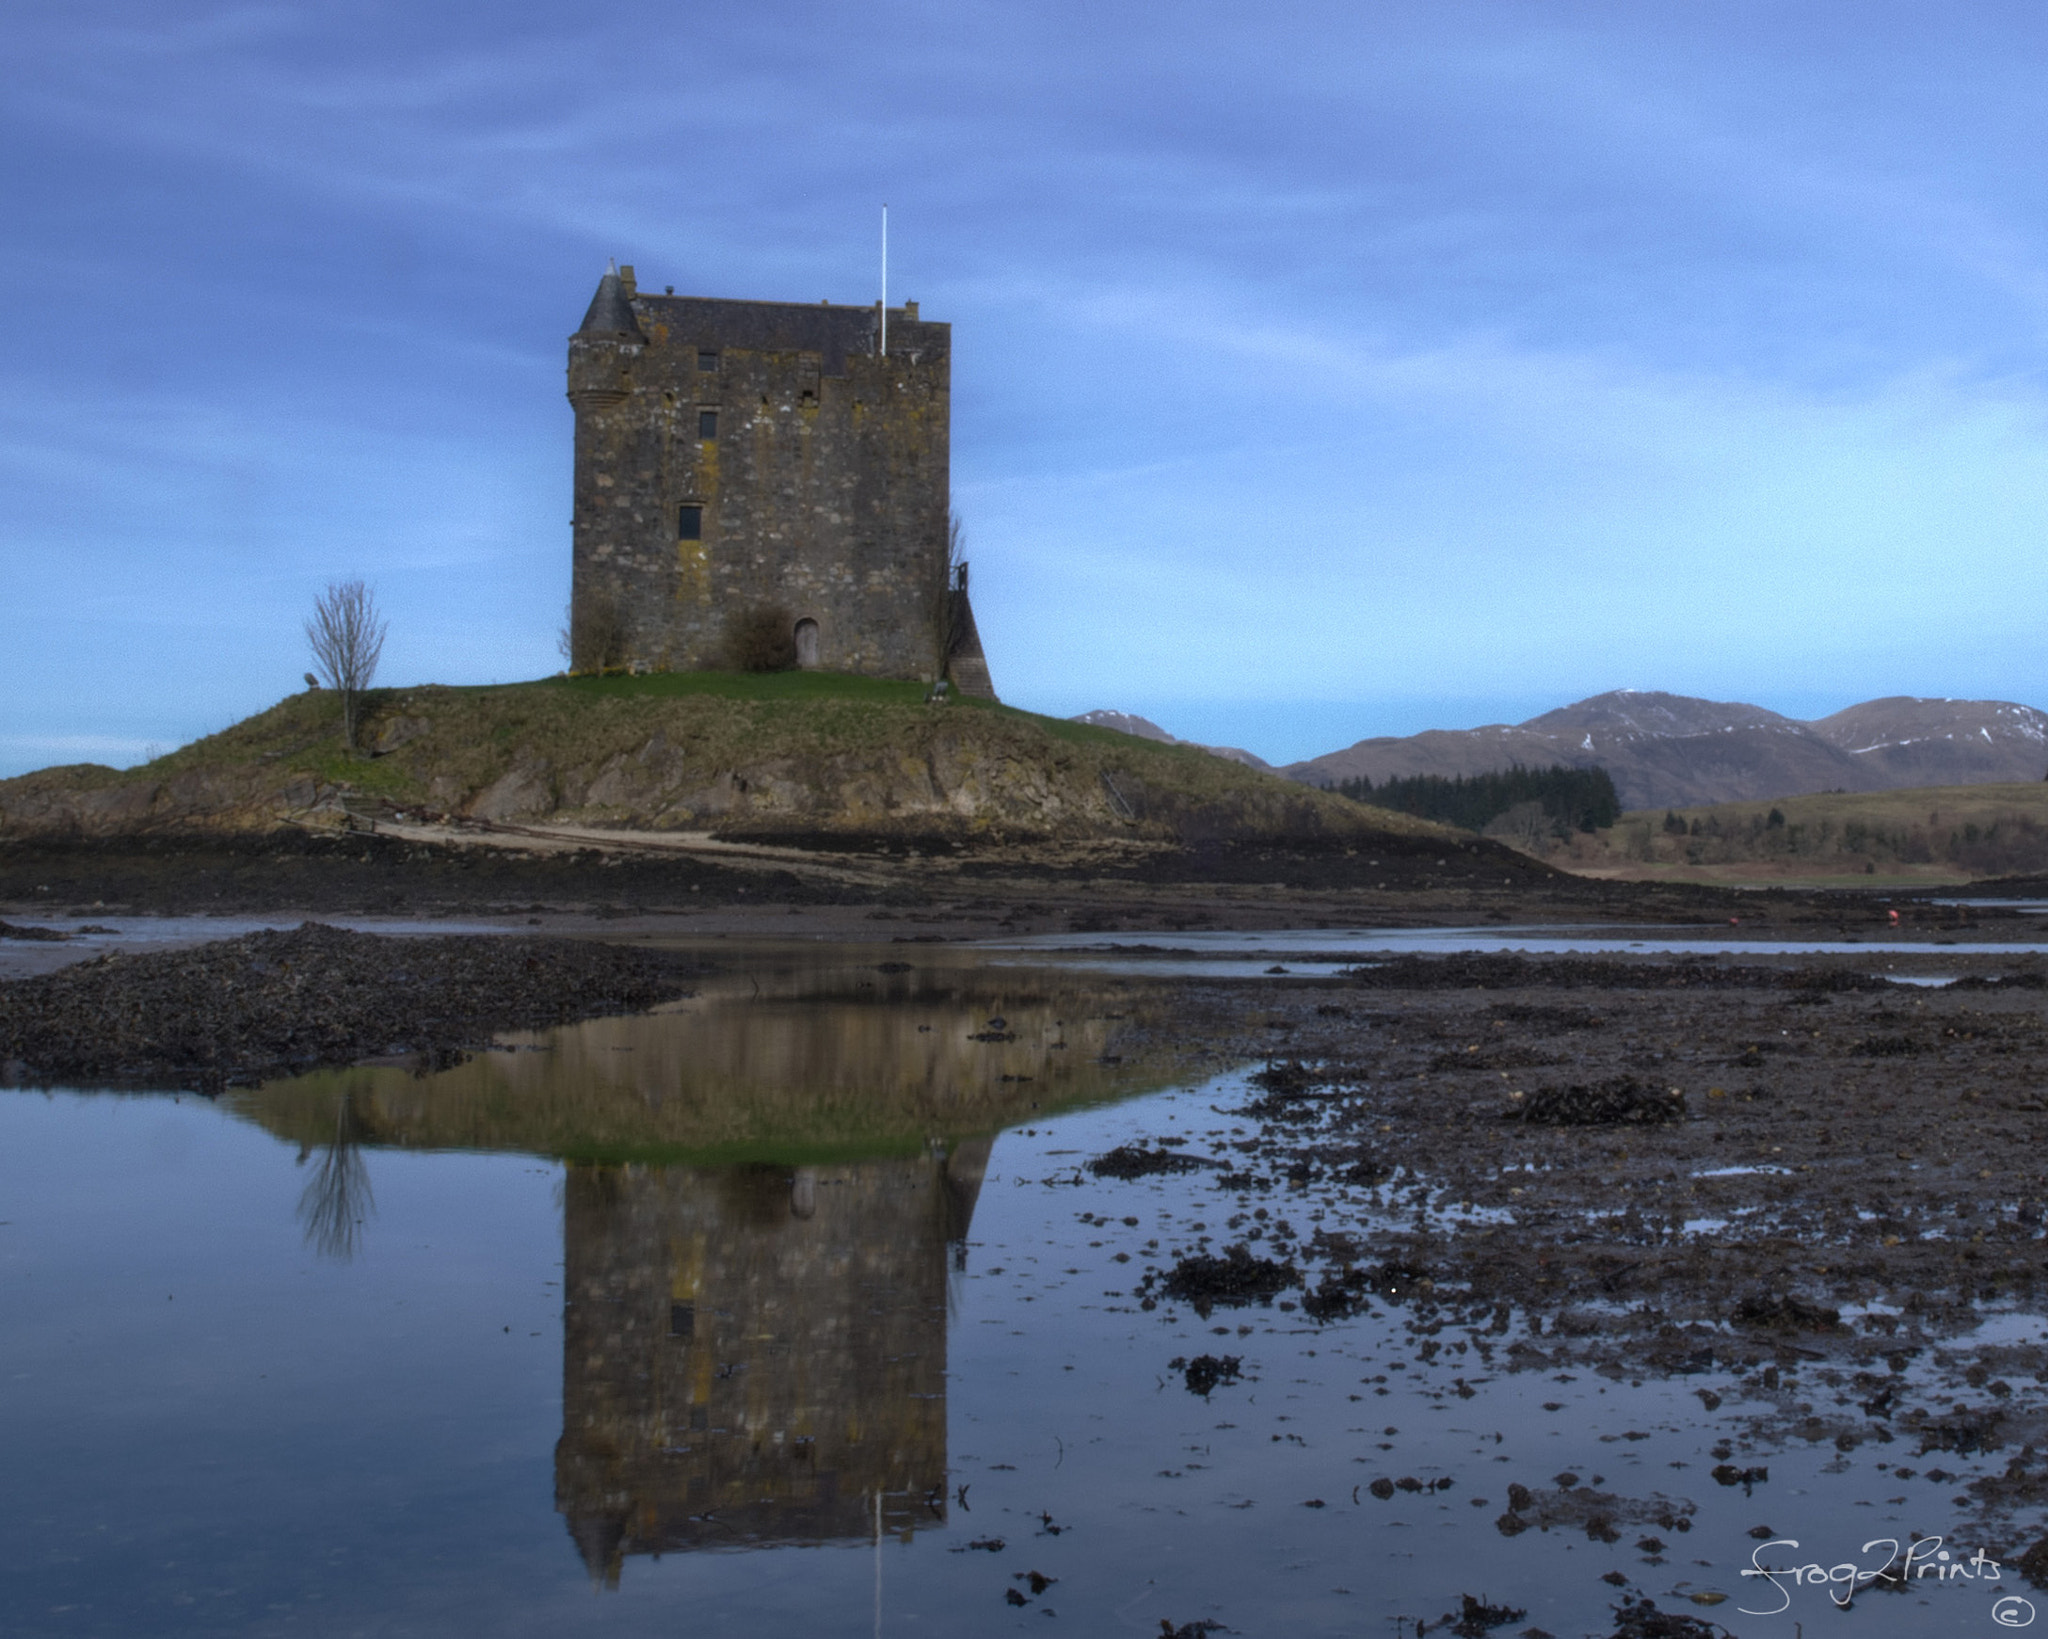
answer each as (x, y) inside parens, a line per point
(734, 686)
(1923, 837)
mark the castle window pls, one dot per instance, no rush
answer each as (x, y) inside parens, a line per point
(707, 359)
(690, 523)
(707, 423)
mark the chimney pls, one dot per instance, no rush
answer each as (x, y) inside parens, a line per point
(626, 281)
(910, 311)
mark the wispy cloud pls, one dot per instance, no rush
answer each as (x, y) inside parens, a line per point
(1370, 350)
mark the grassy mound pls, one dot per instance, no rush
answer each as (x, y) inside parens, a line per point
(735, 754)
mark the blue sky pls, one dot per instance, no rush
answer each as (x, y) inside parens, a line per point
(1320, 370)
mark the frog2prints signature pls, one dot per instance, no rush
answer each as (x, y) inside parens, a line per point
(1922, 1559)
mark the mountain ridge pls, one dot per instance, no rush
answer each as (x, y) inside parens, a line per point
(1671, 750)
(1144, 728)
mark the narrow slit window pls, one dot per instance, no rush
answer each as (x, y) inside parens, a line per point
(707, 424)
(707, 359)
(690, 523)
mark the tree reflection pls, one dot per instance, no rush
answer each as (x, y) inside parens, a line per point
(337, 1197)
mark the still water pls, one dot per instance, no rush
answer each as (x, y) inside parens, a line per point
(1242, 954)
(792, 1309)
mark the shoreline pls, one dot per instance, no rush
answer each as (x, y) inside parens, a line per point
(1791, 1176)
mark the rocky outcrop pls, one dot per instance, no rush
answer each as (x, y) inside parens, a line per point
(90, 800)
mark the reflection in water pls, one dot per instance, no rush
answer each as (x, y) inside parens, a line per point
(857, 1065)
(756, 1355)
(754, 1352)
(337, 1197)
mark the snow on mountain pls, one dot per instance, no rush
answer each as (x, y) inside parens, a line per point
(1145, 729)
(1672, 750)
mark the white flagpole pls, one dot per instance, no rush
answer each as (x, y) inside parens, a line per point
(885, 279)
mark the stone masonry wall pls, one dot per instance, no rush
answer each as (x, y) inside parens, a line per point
(821, 491)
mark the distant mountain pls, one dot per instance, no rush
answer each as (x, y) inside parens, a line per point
(1940, 742)
(1670, 750)
(1145, 729)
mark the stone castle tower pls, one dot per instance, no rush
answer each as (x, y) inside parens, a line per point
(741, 464)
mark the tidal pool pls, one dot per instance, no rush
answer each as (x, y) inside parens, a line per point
(1243, 954)
(794, 1308)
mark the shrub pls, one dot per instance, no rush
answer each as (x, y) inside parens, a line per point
(761, 639)
(594, 640)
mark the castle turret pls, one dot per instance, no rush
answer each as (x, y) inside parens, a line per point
(611, 310)
(602, 355)
(602, 351)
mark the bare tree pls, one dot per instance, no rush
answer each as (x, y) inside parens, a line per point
(347, 639)
(1526, 827)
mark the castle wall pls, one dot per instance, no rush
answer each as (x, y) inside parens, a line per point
(822, 491)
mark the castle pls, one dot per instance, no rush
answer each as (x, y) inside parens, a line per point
(755, 476)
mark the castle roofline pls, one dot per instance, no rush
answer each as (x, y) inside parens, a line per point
(610, 312)
(834, 331)
(908, 309)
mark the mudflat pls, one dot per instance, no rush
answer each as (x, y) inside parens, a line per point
(1646, 1148)
(1807, 1184)
(833, 884)
(279, 1003)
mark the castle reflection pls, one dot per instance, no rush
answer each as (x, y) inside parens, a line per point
(756, 1355)
(767, 1189)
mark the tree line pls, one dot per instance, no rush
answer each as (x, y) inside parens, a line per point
(1571, 799)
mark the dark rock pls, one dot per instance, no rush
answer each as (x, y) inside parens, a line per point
(1209, 1371)
(1641, 1619)
(1475, 1618)
(1235, 1278)
(1128, 1161)
(1619, 1101)
(1782, 1312)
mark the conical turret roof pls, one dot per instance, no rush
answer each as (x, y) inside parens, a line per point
(610, 313)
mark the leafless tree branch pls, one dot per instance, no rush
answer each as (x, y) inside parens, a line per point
(347, 639)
